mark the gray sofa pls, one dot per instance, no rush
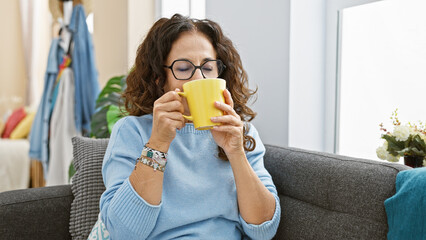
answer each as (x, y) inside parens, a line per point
(323, 196)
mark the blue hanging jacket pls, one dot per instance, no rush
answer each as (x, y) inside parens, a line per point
(85, 73)
(39, 135)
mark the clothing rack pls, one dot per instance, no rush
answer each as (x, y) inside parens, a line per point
(64, 32)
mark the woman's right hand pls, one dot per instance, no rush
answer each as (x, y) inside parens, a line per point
(167, 117)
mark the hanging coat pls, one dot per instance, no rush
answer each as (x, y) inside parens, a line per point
(39, 135)
(85, 73)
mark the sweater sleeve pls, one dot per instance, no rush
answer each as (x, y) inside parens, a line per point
(267, 229)
(125, 214)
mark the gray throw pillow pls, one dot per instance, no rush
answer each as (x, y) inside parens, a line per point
(87, 184)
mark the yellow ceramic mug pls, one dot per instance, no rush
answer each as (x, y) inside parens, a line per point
(201, 95)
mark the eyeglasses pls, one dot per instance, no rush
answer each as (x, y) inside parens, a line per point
(183, 69)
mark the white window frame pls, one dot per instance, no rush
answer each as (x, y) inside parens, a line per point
(332, 71)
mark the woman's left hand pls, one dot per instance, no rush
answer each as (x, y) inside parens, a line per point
(228, 135)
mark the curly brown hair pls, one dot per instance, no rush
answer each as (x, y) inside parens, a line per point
(146, 81)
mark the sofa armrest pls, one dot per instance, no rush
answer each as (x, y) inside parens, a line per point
(36, 213)
(329, 196)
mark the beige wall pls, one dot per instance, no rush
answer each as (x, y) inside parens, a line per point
(12, 68)
(119, 27)
(14, 90)
(140, 18)
(109, 38)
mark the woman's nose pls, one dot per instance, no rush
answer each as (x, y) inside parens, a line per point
(197, 75)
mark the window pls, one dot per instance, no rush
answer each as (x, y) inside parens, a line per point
(382, 67)
(191, 8)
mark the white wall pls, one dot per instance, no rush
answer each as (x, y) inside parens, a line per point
(307, 74)
(260, 30)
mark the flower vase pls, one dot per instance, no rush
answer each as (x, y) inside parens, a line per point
(414, 161)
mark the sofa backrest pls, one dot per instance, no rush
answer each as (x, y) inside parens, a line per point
(323, 196)
(328, 196)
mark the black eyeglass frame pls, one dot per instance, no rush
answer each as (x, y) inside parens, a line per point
(218, 61)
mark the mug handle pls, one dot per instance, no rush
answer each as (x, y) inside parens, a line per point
(190, 118)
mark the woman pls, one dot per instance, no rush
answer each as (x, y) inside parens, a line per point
(164, 179)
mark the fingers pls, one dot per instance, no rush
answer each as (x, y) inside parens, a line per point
(227, 120)
(228, 98)
(173, 124)
(225, 128)
(231, 117)
(169, 96)
(176, 116)
(169, 102)
(172, 106)
(168, 111)
(168, 122)
(227, 109)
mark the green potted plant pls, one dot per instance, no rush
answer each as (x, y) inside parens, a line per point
(109, 107)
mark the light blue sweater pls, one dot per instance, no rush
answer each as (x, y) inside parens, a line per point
(199, 199)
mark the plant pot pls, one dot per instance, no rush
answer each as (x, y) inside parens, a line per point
(414, 161)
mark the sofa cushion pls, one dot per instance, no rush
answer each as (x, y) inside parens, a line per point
(24, 127)
(87, 184)
(13, 121)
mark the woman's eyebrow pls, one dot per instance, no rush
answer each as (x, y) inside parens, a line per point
(182, 59)
(204, 59)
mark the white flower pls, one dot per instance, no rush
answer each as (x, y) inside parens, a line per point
(401, 132)
(382, 152)
(423, 137)
(392, 158)
(413, 131)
